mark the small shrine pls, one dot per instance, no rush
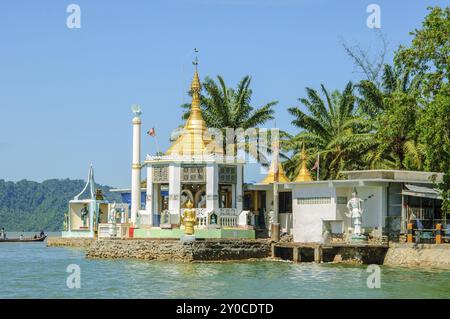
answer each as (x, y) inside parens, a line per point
(88, 215)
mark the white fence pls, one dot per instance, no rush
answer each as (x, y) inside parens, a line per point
(113, 230)
(286, 223)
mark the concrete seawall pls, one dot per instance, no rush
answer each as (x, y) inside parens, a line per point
(69, 242)
(420, 255)
(174, 250)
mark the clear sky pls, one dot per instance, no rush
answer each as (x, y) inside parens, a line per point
(65, 94)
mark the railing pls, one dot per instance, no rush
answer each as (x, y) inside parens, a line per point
(113, 230)
(228, 217)
(144, 218)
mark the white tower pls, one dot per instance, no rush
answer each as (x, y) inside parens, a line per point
(136, 165)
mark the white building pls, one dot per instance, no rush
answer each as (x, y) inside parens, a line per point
(319, 207)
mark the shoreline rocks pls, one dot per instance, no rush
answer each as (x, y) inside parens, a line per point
(419, 255)
(175, 250)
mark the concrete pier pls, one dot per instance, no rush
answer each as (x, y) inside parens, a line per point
(347, 253)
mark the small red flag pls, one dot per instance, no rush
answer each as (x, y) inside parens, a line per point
(151, 132)
(316, 164)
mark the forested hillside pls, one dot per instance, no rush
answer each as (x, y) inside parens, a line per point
(33, 206)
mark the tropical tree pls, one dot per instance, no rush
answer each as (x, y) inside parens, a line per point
(429, 53)
(392, 108)
(331, 128)
(224, 107)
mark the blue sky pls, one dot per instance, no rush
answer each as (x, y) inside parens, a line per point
(65, 94)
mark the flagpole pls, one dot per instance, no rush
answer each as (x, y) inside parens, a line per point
(157, 144)
(318, 166)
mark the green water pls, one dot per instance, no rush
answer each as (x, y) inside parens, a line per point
(35, 271)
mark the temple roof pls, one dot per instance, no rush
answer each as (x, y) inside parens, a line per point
(194, 139)
(271, 178)
(303, 175)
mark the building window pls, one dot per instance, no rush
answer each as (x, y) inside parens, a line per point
(313, 200)
(160, 174)
(227, 174)
(285, 202)
(341, 200)
(194, 174)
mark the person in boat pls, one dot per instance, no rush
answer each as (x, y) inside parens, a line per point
(2, 234)
(21, 236)
(42, 234)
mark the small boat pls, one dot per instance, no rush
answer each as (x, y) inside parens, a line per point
(24, 240)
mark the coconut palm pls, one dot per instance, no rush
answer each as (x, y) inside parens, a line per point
(392, 110)
(224, 107)
(331, 128)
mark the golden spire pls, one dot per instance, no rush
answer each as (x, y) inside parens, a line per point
(272, 175)
(303, 175)
(270, 178)
(194, 139)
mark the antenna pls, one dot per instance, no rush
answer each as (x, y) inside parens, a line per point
(195, 62)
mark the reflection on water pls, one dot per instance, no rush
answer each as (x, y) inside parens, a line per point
(35, 271)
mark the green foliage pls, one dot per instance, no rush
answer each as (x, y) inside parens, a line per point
(32, 206)
(331, 128)
(429, 52)
(392, 109)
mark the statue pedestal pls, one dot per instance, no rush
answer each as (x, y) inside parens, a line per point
(166, 226)
(187, 239)
(359, 238)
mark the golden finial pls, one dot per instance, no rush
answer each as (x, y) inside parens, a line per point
(303, 175)
(194, 140)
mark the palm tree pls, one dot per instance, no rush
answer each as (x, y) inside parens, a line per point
(331, 128)
(224, 107)
(392, 109)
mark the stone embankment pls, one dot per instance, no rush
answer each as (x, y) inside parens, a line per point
(421, 255)
(175, 250)
(69, 242)
(398, 254)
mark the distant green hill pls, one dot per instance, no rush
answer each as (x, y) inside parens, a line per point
(32, 206)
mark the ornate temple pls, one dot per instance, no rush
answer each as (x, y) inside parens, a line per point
(194, 169)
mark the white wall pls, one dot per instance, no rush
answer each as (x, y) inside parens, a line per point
(307, 219)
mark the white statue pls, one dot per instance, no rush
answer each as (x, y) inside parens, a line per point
(112, 220)
(202, 201)
(354, 206)
(113, 214)
(272, 220)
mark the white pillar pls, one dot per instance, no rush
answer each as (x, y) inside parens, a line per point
(136, 166)
(239, 188)
(149, 194)
(174, 191)
(212, 187)
(92, 205)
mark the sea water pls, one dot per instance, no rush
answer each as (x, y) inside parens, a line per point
(32, 270)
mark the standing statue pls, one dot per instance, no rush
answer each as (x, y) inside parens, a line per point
(113, 214)
(189, 219)
(112, 220)
(354, 206)
(84, 215)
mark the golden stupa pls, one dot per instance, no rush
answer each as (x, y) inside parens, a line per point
(270, 178)
(194, 139)
(303, 175)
